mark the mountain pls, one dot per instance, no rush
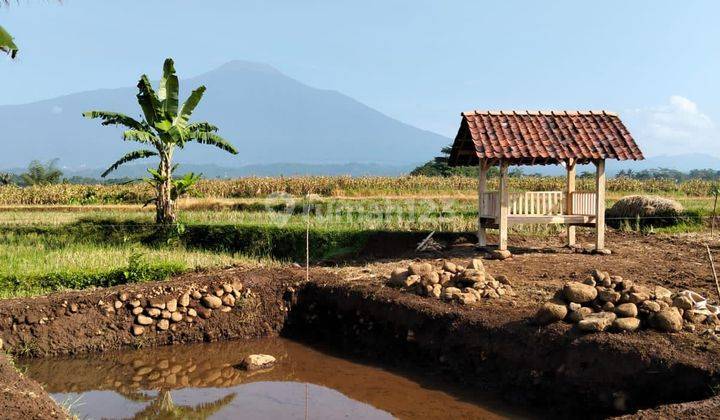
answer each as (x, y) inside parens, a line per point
(683, 163)
(270, 117)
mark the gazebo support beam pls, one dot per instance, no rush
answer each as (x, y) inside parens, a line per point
(504, 208)
(482, 188)
(569, 191)
(600, 204)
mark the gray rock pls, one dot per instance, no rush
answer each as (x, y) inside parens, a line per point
(662, 293)
(683, 302)
(579, 292)
(577, 315)
(651, 306)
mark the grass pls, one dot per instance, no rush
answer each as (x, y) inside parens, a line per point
(43, 248)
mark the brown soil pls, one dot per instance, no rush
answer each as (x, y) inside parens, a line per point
(491, 345)
(22, 398)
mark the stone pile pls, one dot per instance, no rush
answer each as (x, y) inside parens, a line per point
(164, 312)
(604, 302)
(451, 282)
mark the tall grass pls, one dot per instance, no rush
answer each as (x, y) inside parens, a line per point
(137, 193)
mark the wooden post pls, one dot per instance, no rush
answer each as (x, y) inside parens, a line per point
(600, 204)
(504, 210)
(569, 191)
(482, 188)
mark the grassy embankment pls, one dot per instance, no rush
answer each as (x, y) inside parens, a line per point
(44, 248)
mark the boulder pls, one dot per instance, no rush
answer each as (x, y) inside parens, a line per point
(596, 322)
(163, 324)
(153, 312)
(138, 330)
(449, 293)
(550, 312)
(579, 292)
(258, 361)
(651, 306)
(212, 302)
(143, 320)
(398, 277)
(579, 314)
(477, 264)
(668, 320)
(184, 299)
(638, 297)
(662, 293)
(626, 310)
(626, 324)
(171, 305)
(450, 267)
(609, 296)
(683, 302)
(430, 278)
(466, 298)
(420, 268)
(500, 254)
(157, 303)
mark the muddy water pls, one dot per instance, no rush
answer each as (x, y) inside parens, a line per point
(202, 381)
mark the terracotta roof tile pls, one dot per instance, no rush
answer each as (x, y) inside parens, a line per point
(543, 137)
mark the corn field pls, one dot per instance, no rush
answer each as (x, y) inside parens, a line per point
(255, 187)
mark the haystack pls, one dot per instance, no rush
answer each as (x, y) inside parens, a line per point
(647, 210)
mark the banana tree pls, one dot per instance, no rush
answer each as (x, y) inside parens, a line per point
(6, 43)
(164, 127)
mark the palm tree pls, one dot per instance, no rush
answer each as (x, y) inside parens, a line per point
(6, 43)
(164, 127)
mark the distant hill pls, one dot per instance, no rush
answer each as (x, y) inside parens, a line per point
(683, 163)
(270, 117)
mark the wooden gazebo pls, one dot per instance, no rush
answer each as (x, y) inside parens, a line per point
(489, 138)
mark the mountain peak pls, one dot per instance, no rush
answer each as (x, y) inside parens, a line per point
(242, 65)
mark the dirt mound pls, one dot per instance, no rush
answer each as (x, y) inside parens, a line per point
(647, 210)
(23, 398)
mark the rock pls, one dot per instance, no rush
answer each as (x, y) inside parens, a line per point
(171, 305)
(579, 292)
(449, 293)
(449, 267)
(696, 317)
(165, 314)
(219, 292)
(184, 300)
(445, 277)
(143, 320)
(411, 280)
(163, 324)
(176, 317)
(579, 314)
(602, 251)
(258, 361)
(466, 298)
(574, 306)
(598, 275)
(437, 291)
(212, 302)
(668, 320)
(503, 280)
(662, 293)
(683, 302)
(137, 311)
(123, 296)
(420, 268)
(153, 312)
(596, 322)
(225, 309)
(430, 278)
(157, 303)
(500, 254)
(638, 297)
(608, 307)
(196, 295)
(118, 304)
(626, 310)
(590, 281)
(626, 323)
(651, 306)
(204, 312)
(137, 330)
(227, 287)
(135, 303)
(550, 312)
(228, 300)
(398, 277)
(73, 307)
(477, 264)
(609, 296)
(192, 313)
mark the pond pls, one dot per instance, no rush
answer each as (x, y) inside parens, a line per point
(204, 381)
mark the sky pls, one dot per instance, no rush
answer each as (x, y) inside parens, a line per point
(655, 62)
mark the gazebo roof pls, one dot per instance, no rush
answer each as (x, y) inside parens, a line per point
(541, 138)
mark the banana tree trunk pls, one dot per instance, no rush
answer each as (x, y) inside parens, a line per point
(165, 207)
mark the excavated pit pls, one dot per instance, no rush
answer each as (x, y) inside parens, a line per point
(495, 350)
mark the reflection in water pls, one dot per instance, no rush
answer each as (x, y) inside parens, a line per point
(202, 381)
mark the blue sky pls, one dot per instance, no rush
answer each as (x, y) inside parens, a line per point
(423, 62)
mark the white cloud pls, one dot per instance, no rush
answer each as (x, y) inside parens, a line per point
(677, 127)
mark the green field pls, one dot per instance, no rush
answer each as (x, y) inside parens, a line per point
(45, 248)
